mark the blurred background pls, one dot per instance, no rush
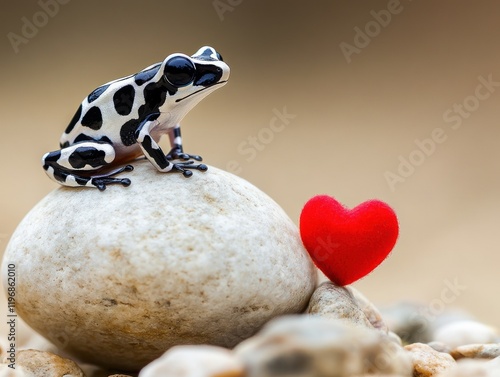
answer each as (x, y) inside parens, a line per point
(394, 100)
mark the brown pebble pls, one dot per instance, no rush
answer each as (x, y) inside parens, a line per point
(47, 364)
(427, 362)
(476, 351)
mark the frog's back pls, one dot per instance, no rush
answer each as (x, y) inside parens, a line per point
(112, 111)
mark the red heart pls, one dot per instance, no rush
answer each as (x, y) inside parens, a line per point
(347, 244)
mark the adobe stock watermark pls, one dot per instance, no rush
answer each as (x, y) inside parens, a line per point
(32, 25)
(372, 29)
(451, 291)
(11, 287)
(455, 116)
(253, 144)
(224, 6)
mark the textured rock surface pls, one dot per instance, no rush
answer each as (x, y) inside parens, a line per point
(311, 346)
(370, 310)
(195, 361)
(428, 362)
(46, 364)
(118, 277)
(461, 333)
(345, 304)
(477, 351)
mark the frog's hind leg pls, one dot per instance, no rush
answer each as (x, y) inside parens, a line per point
(74, 165)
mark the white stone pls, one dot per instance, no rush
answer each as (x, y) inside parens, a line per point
(460, 333)
(118, 277)
(195, 361)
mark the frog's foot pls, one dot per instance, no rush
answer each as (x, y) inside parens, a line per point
(184, 167)
(102, 180)
(101, 183)
(178, 154)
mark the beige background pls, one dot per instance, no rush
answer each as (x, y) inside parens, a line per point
(353, 120)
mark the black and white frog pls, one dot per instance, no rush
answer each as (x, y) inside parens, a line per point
(124, 119)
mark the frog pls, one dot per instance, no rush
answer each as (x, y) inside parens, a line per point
(123, 120)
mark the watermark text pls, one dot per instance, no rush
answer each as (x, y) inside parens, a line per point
(30, 26)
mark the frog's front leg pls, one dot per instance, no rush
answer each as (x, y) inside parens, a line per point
(78, 165)
(177, 152)
(154, 153)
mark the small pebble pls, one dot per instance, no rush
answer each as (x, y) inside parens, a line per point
(46, 364)
(465, 332)
(311, 346)
(428, 362)
(341, 303)
(474, 368)
(195, 361)
(90, 370)
(476, 351)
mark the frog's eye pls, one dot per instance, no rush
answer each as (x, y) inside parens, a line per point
(219, 56)
(179, 71)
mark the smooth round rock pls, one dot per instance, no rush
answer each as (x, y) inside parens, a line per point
(118, 277)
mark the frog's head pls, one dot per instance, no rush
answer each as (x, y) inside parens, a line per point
(194, 77)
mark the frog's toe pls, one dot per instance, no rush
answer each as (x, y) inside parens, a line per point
(184, 168)
(177, 155)
(126, 182)
(195, 157)
(99, 184)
